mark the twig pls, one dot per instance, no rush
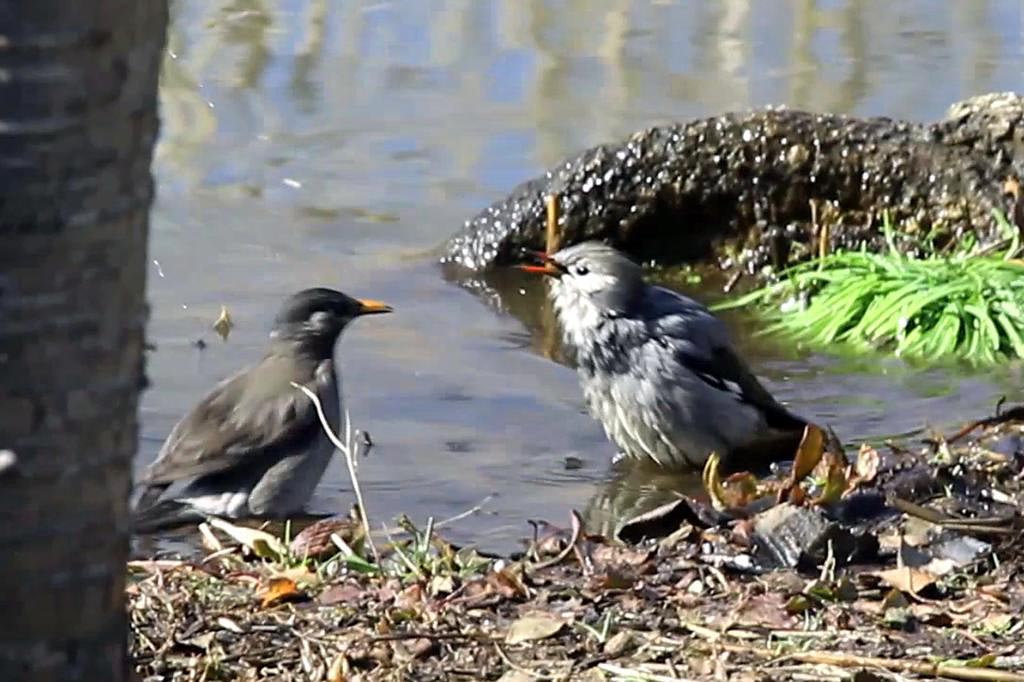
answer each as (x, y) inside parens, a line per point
(551, 231)
(577, 531)
(469, 512)
(436, 636)
(515, 666)
(1013, 414)
(349, 460)
(396, 530)
(983, 526)
(957, 672)
(634, 674)
(153, 565)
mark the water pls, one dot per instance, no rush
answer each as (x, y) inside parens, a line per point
(331, 142)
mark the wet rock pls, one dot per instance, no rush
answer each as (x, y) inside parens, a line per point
(790, 536)
(860, 507)
(959, 549)
(691, 191)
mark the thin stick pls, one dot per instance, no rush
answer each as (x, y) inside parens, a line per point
(577, 531)
(633, 673)
(515, 666)
(958, 672)
(349, 460)
(551, 233)
(394, 530)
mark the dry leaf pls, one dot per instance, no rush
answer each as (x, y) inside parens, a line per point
(338, 672)
(506, 583)
(534, 627)
(835, 478)
(907, 579)
(315, 539)
(345, 593)
(279, 590)
(868, 461)
(261, 543)
(230, 625)
(224, 324)
(808, 453)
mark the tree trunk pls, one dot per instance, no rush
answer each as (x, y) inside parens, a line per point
(78, 121)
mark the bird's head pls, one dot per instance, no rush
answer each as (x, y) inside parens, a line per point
(590, 277)
(317, 316)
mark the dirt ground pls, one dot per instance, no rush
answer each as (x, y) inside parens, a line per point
(903, 563)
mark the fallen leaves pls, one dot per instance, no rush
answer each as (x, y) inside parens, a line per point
(279, 590)
(732, 494)
(493, 588)
(533, 627)
(259, 542)
(574, 600)
(314, 541)
(906, 579)
(224, 324)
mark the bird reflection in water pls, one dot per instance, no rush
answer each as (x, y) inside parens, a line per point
(641, 500)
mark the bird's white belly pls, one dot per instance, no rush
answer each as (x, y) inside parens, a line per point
(671, 444)
(231, 504)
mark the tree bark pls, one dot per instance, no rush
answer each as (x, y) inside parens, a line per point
(78, 122)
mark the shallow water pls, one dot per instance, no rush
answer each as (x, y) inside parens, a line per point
(329, 142)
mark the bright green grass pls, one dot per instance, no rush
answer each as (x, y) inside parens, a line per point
(937, 307)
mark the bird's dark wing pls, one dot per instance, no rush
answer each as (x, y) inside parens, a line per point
(239, 420)
(701, 343)
(724, 370)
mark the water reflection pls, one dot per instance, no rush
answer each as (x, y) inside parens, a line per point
(636, 490)
(339, 142)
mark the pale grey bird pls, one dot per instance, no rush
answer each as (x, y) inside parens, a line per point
(254, 446)
(658, 370)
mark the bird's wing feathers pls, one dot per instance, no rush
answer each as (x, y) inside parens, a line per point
(231, 425)
(701, 342)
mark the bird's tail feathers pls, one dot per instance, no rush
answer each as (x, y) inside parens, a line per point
(166, 514)
(150, 494)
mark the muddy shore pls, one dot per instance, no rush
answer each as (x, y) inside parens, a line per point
(930, 587)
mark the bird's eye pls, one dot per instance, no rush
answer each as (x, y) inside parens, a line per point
(581, 270)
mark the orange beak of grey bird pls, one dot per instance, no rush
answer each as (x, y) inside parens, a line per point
(549, 266)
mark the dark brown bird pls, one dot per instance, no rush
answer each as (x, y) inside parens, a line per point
(254, 446)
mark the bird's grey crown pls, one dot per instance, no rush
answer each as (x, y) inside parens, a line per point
(597, 257)
(301, 306)
(313, 319)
